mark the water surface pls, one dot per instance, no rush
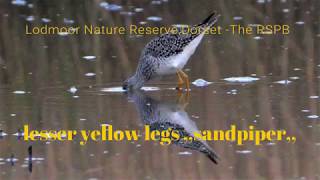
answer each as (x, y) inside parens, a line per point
(72, 82)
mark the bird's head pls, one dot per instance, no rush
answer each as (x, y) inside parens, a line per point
(133, 83)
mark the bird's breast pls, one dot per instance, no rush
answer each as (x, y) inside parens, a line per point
(181, 59)
(171, 64)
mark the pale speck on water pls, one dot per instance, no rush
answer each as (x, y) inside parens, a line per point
(113, 7)
(63, 33)
(19, 92)
(243, 151)
(261, 1)
(246, 79)
(18, 134)
(19, 2)
(185, 153)
(2, 134)
(195, 116)
(201, 83)
(93, 178)
(138, 9)
(104, 4)
(154, 18)
(283, 82)
(30, 18)
(127, 13)
(68, 21)
(110, 7)
(257, 38)
(113, 89)
(237, 18)
(156, 2)
(271, 144)
(150, 88)
(90, 74)
(285, 10)
(34, 159)
(180, 25)
(73, 89)
(253, 25)
(45, 20)
(313, 116)
(233, 92)
(12, 159)
(299, 23)
(294, 78)
(89, 57)
(143, 22)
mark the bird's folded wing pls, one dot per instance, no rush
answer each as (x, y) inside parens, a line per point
(167, 45)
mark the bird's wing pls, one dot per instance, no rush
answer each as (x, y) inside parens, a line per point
(167, 45)
(173, 43)
(193, 144)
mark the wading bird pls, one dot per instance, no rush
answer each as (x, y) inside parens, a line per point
(167, 54)
(161, 116)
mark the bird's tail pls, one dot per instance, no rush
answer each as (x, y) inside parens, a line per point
(209, 21)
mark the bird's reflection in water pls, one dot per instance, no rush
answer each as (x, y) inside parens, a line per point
(30, 158)
(161, 116)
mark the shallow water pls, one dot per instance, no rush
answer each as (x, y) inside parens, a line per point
(73, 82)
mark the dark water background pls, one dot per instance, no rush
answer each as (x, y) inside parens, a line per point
(36, 73)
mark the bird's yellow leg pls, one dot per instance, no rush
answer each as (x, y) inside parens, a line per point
(180, 81)
(185, 79)
(179, 97)
(183, 100)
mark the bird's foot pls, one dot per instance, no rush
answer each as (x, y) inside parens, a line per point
(180, 82)
(179, 88)
(183, 79)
